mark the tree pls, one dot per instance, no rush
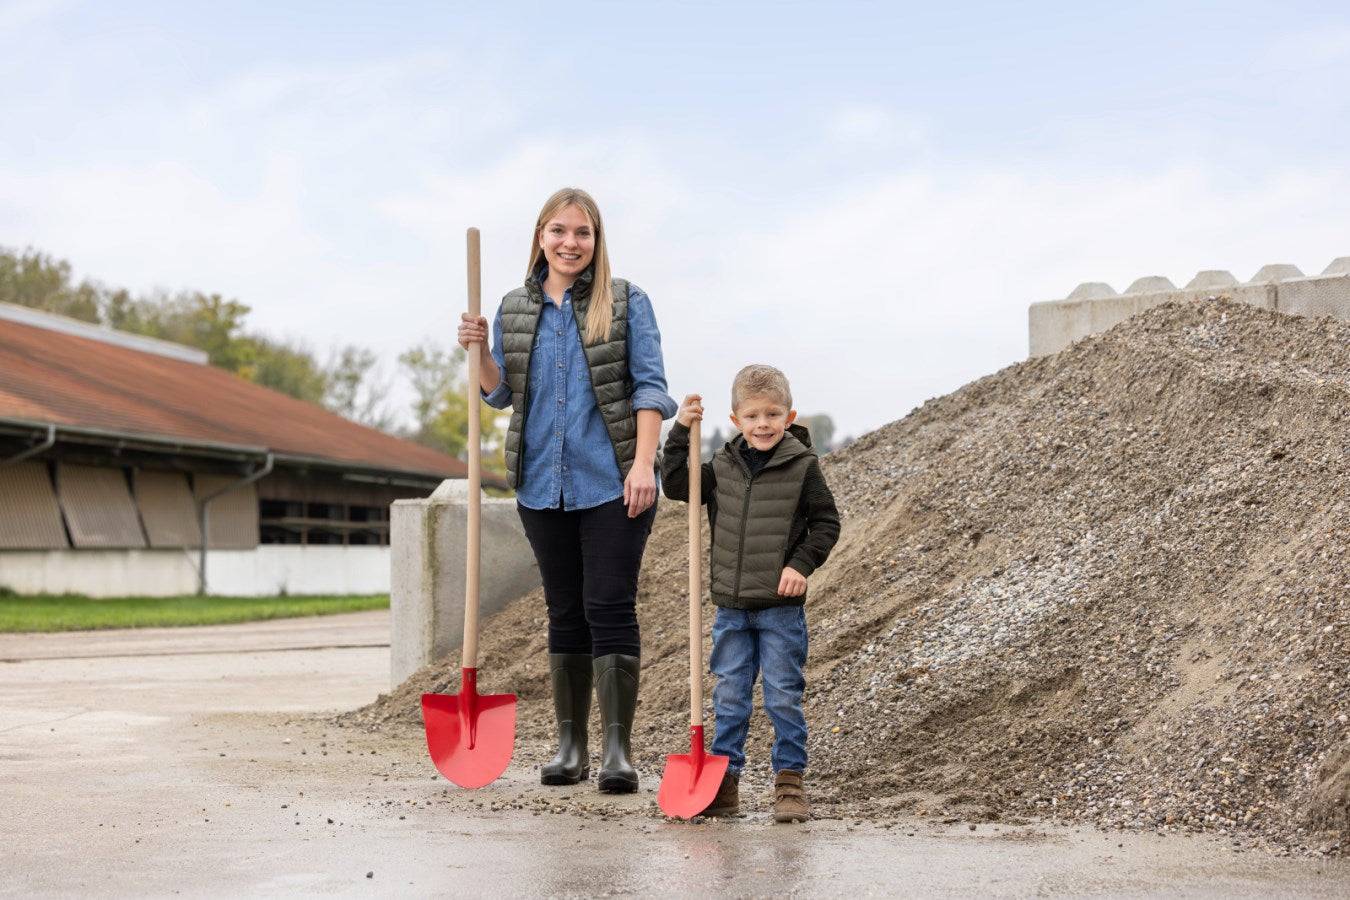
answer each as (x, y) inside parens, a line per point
(350, 384)
(355, 388)
(440, 407)
(284, 366)
(38, 281)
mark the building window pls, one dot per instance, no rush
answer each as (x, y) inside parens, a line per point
(296, 522)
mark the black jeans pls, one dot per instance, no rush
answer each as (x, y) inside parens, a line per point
(589, 559)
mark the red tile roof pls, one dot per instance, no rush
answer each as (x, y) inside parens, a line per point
(50, 377)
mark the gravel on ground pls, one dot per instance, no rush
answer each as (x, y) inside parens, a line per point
(1108, 587)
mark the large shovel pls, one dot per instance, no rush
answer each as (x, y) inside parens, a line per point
(691, 779)
(470, 736)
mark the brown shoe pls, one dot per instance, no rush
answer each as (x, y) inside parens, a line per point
(789, 798)
(728, 799)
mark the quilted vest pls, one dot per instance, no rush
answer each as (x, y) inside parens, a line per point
(754, 522)
(606, 362)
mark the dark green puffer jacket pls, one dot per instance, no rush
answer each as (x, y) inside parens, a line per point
(783, 515)
(606, 361)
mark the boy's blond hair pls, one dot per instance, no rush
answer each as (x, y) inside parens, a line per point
(759, 380)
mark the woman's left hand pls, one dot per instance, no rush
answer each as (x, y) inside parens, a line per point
(639, 490)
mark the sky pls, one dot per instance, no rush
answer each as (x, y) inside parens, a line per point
(867, 195)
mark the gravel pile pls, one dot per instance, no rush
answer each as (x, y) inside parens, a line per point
(1110, 586)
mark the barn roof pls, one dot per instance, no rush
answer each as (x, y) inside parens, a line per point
(84, 383)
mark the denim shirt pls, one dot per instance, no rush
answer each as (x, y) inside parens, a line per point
(567, 457)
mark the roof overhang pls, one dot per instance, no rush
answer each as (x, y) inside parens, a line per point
(166, 444)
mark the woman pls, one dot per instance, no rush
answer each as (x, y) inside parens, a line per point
(577, 355)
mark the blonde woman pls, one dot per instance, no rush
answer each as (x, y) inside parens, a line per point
(576, 353)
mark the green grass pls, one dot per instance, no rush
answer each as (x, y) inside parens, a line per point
(73, 612)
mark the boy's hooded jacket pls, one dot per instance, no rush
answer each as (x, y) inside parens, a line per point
(781, 515)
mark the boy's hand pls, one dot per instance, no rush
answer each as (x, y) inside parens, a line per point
(691, 410)
(792, 583)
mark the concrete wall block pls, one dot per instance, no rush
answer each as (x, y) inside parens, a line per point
(411, 602)
(1091, 290)
(1316, 296)
(1211, 279)
(1111, 311)
(1276, 272)
(1338, 266)
(1261, 296)
(1158, 298)
(1055, 324)
(1094, 307)
(1150, 284)
(427, 537)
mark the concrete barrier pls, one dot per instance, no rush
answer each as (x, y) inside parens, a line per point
(1094, 307)
(427, 573)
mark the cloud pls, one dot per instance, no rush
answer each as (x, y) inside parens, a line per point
(19, 14)
(333, 199)
(1309, 49)
(872, 125)
(911, 285)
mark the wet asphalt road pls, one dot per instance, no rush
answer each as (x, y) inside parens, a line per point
(197, 762)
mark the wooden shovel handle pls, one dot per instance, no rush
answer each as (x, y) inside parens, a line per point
(471, 391)
(695, 574)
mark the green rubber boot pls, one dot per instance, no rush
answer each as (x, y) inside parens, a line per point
(571, 674)
(616, 689)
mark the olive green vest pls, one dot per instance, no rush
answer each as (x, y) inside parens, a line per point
(606, 362)
(754, 523)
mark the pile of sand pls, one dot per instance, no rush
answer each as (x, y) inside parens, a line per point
(1107, 586)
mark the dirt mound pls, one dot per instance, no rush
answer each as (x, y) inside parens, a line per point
(1106, 586)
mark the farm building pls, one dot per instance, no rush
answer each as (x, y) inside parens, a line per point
(117, 452)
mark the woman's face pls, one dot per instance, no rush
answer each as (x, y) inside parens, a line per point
(568, 242)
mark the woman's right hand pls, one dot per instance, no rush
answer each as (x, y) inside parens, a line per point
(691, 410)
(472, 330)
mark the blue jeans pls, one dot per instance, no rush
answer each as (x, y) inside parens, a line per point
(746, 644)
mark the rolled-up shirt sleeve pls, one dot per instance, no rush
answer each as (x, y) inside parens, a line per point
(646, 366)
(500, 396)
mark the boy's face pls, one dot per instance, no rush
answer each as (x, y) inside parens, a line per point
(762, 420)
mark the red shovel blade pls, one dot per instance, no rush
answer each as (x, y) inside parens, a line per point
(691, 779)
(470, 736)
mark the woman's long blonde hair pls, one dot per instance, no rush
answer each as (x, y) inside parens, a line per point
(601, 311)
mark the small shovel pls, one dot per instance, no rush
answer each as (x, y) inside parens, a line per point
(470, 736)
(691, 779)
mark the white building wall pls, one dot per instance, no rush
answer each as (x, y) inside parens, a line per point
(99, 573)
(291, 569)
(265, 571)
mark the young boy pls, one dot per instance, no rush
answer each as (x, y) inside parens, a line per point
(773, 523)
